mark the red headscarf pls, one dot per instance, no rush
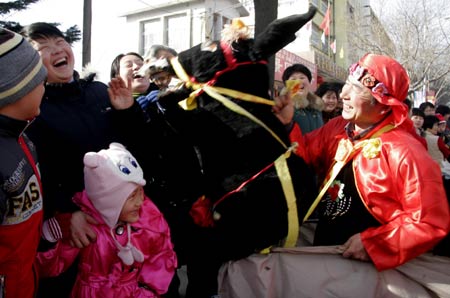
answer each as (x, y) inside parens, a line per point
(388, 81)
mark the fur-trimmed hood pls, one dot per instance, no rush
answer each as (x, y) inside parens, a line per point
(312, 101)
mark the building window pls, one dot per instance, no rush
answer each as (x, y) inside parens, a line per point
(316, 34)
(323, 6)
(316, 40)
(170, 30)
(151, 34)
(177, 29)
(315, 3)
(351, 10)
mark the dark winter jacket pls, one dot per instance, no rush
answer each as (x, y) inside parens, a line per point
(169, 161)
(74, 119)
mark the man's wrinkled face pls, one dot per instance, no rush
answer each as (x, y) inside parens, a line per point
(359, 106)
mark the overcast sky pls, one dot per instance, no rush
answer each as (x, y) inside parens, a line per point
(108, 29)
(109, 35)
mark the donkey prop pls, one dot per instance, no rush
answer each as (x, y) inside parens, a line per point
(241, 144)
(251, 209)
(252, 191)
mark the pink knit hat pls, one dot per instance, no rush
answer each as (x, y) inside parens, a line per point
(110, 176)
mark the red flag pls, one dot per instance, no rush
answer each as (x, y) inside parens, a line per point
(333, 46)
(325, 25)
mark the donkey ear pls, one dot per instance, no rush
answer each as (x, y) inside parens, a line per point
(280, 33)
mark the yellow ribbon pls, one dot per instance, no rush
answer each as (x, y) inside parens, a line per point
(211, 91)
(370, 148)
(190, 103)
(289, 193)
(243, 96)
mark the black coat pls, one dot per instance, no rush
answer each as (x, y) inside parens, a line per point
(74, 119)
(170, 163)
(234, 148)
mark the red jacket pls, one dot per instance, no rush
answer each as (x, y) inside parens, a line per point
(101, 273)
(20, 210)
(401, 187)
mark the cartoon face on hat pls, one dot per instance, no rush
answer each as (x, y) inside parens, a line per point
(387, 80)
(111, 175)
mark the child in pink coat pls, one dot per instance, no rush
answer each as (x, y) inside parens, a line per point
(133, 255)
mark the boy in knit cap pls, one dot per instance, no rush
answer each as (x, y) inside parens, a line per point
(21, 90)
(133, 255)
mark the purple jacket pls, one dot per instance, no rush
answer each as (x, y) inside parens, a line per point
(101, 273)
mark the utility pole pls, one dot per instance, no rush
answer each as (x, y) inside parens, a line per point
(87, 22)
(265, 12)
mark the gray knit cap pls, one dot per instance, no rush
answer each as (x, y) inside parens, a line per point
(21, 67)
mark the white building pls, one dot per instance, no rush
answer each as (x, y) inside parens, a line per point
(181, 24)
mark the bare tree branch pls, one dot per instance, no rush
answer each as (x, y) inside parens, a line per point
(414, 32)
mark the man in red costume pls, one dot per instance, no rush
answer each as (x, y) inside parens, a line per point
(385, 201)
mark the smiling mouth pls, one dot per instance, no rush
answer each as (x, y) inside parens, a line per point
(60, 62)
(347, 107)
